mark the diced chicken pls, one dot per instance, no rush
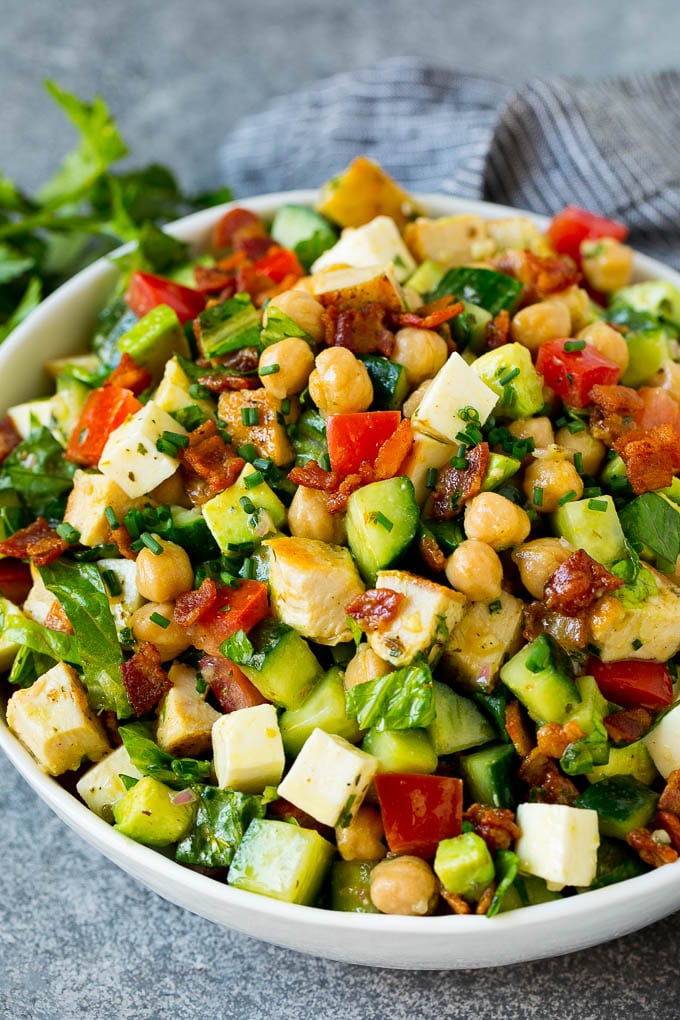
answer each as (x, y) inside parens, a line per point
(517, 232)
(268, 431)
(648, 630)
(130, 457)
(483, 639)
(424, 621)
(310, 584)
(426, 453)
(39, 601)
(185, 719)
(101, 786)
(449, 240)
(87, 503)
(55, 722)
(248, 749)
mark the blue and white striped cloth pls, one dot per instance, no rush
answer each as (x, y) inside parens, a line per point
(611, 146)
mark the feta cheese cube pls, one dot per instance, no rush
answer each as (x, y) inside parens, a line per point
(372, 244)
(87, 502)
(454, 387)
(130, 458)
(663, 742)
(185, 719)
(329, 778)
(55, 722)
(424, 621)
(558, 843)
(248, 749)
(101, 786)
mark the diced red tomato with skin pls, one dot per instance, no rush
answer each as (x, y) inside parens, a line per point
(356, 437)
(633, 683)
(147, 291)
(572, 374)
(279, 263)
(419, 811)
(234, 609)
(229, 684)
(573, 225)
(105, 409)
(15, 579)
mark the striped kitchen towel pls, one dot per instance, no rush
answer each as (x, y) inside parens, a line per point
(609, 145)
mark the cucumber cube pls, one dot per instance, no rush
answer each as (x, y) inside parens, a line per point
(282, 666)
(350, 887)
(541, 676)
(280, 860)
(622, 804)
(598, 532)
(458, 723)
(489, 775)
(401, 750)
(382, 521)
(325, 708)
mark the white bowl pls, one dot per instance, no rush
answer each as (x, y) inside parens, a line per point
(62, 325)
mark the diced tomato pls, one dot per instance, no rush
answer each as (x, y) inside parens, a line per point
(234, 225)
(633, 683)
(279, 263)
(15, 579)
(105, 409)
(573, 225)
(419, 811)
(234, 609)
(660, 408)
(230, 685)
(147, 291)
(356, 437)
(573, 373)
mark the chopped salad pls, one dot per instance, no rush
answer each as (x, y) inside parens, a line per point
(345, 563)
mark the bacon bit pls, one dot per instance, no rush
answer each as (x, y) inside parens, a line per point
(219, 382)
(130, 375)
(496, 826)
(577, 583)
(651, 457)
(57, 619)
(486, 899)
(109, 720)
(122, 538)
(454, 487)
(235, 225)
(617, 410)
(650, 851)
(571, 632)
(208, 464)
(245, 359)
(670, 798)
(214, 279)
(628, 726)
(144, 678)
(313, 476)
(433, 557)
(497, 332)
(670, 823)
(360, 330)
(283, 809)
(376, 608)
(9, 438)
(434, 317)
(517, 729)
(337, 501)
(229, 684)
(191, 605)
(542, 774)
(457, 903)
(540, 274)
(553, 739)
(38, 542)
(394, 451)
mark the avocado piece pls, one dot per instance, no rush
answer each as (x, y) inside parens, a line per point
(458, 724)
(499, 470)
(235, 515)
(541, 676)
(286, 862)
(510, 373)
(401, 750)
(324, 708)
(659, 297)
(464, 865)
(597, 531)
(147, 814)
(622, 803)
(154, 339)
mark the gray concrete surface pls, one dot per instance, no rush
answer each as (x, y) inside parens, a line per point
(78, 938)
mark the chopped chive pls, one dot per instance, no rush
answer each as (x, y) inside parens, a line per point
(576, 426)
(431, 478)
(509, 376)
(253, 479)
(247, 451)
(250, 415)
(111, 582)
(176, 438)
(269, 370)
(598, 504)
(574, 345)
(285, 405)
(163, 446)
(160, 621)
(537, 499)
(636, 644)
(495, 606)
(151, 543)
(383, 521)
(262, 464)
(198, 391)
(248, 568)
(567, 497)
(248, 505)
(469, 413)
(110, 515)
(68, 533)
(463, 439)
(570, 378)
(578, 461)
(475, 435)
(561, 422)
(459, 463)
(592, 491)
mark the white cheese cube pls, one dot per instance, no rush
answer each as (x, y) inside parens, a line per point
(185, 719)
(372, 244)
(329, 778)
(359, 285)
(248, 749)
(87, 502)
(128, 600)
(426, 453)
(454, 387)
(55, 722)
(25, 416)
(130, 458)
(663, 742)
(173, 390)
(558, 843)
(424, 621)
(101, 786)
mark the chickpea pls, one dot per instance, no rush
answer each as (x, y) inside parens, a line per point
(577, 301)
(365, 665)
(537, 560)
(295, 361)
(308, 517)
(592, 450)
(340, 382)
(303, 308)
(171, 491)
(161, 578)
(668, 378)
(171, 640)
(422, 352)
(404, 885)
(362, 840)
(553, 477)
(607, 264)
(545, 320)
(538, 429)
(491, 518)
(607, 341)
(415, 399)
(474, 569)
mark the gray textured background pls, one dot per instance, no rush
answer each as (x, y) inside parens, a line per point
(78, 938)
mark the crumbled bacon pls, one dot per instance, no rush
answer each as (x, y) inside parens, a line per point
(431, 316)
(553, 739)
(497, 332)
(670, 798)
(221, 382)
(649, 849)
(571, 632)
(496, 826)
(670, 823)
(651, 457)
(540, 275)
(122, 539)
(455, 486)
(130, 375)
(215, 279)
(236, 225)
(518, 729)
(229, 684)
(9, 438)
(57, 619)
(313, 476)
(144, 678)
(38, 542)
(433, 557)
(284, 810)
(375, 608)
(616, 410)
(486, 899)
(245, 359)
(628, 726)
(208, 464)
(457, 903)
(191, 605)
(542, 774)
(109, 720)
(394, 451)
(360, 330)
(577, 583)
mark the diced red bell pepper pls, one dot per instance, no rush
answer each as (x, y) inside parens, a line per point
(633, 683)
(147, 291)
(419, 811)
(105, 409)
(15, 579)
(356, 437)
(573, 373)
(574, 225)
(229, 684)
(234, 609)
(279, 263)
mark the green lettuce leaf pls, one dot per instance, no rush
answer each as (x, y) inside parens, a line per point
(22, 631)
(507, 869)
(151, 760)
(28, 666)
(655, 522)
(221, 821)
(38, 471)
(400, 700)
